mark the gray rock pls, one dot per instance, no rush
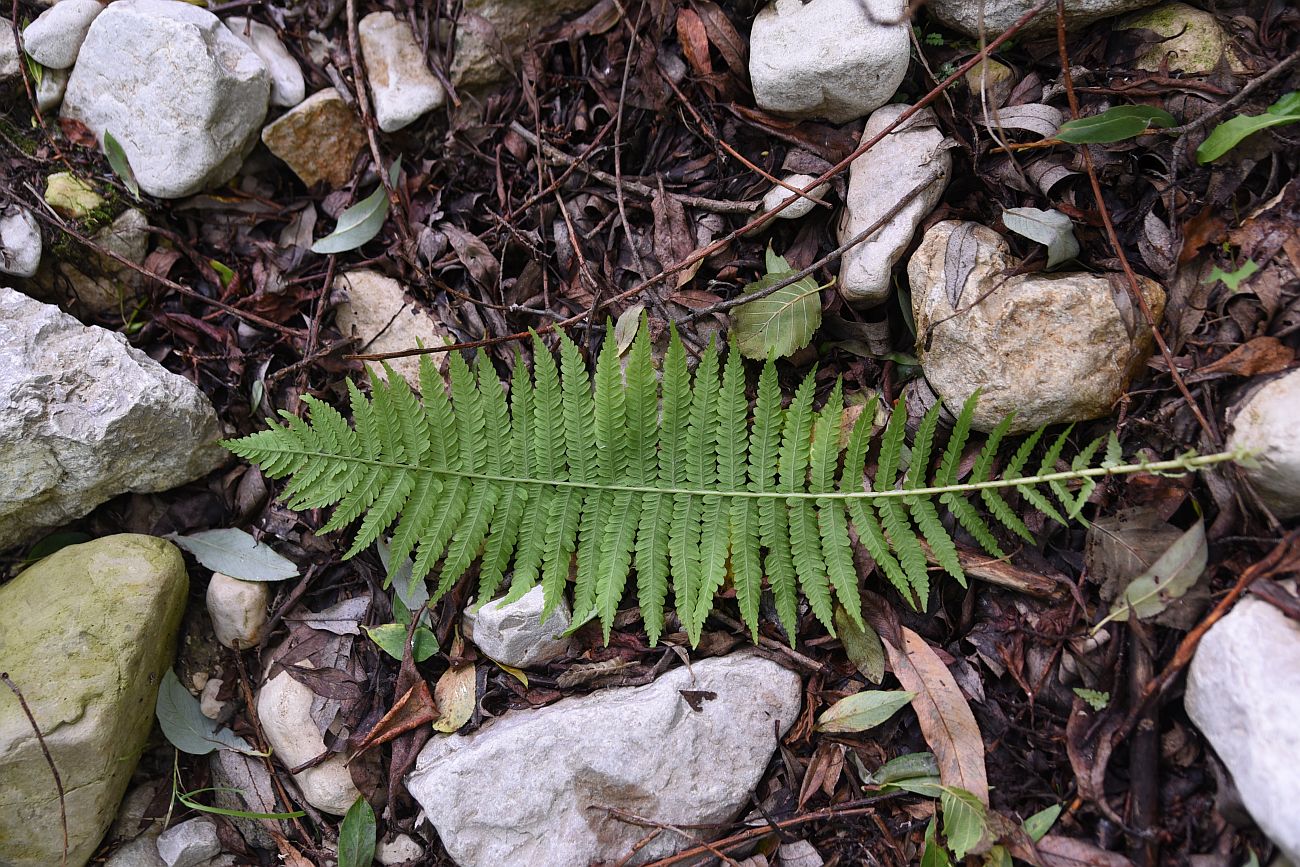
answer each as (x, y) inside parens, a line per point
(1050, 347)
(518, 790)
(243, 784)
(141, 852)
(237, 609)
(1267, 423)
(184, 97)
(55, 37)
(404, 89)
(913, 154)
(800, 853)
(288, 88)
(828, 58)
(20, 242)
(1243, 693)
(801, 208)
(384, 319)
(491, 31)
(9, 67)
(190, 843)
(514, 633)
(400, 849)
(86, 634)
(50, 89)
(284, 710)
(964, 15)
(98, 284)
(84, 417)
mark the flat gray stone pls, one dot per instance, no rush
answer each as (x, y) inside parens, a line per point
(376, 310)
(515, 634)
(1052, 347)
(404, 89)
(878, 180)
(519, 790)
(55, 37)
(828, 58)
(190, 843)
(1243, 693)
(86, 634)
(964, 15)
(20, 242)
(288, 87)
(1267, 423)
(244, 784)
(9, 67)
(183, 96)
(803, 207)
(85, 417)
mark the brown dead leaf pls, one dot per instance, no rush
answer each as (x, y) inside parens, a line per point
(456, 695)
(1258, 356)
(1055, 851)
(412, 710)
(945, 717)
(695, 41)
(724, 37)
(674, 235)
(823, 772)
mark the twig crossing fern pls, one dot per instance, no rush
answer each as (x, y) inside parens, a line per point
(675, 480)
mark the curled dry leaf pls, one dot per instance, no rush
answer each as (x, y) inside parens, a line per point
(455, 696)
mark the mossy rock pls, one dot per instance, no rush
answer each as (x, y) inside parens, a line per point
(86, 634)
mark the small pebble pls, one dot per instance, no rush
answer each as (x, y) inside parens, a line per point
(238, 610)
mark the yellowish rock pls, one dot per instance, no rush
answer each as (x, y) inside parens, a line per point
(1193, 41)
(318, 139)
(383, 319)
(70, 196)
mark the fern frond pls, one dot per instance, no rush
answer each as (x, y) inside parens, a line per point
(598, 480)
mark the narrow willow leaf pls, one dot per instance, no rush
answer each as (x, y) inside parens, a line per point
(781, 323)
(357, 835)
(1115, 124)
(1050, 228)
(1170, 577)
(120, 165)
(237, 554)
(863, 710)
(1231, 133)
(360, 223)
(185, 726)
(862, 646)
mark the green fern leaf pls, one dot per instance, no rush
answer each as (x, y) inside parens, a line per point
(652, 561)
(809, 565)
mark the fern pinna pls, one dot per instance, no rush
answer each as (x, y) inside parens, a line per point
(674, 479)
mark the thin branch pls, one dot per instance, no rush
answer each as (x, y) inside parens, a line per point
(49, 760)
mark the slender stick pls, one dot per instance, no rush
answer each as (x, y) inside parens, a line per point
(49, 760)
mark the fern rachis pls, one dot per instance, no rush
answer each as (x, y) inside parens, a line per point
(676, 480)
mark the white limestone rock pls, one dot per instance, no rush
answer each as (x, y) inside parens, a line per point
(237, 609)
(1267, 423)
(190, 843)
(84, 417)
(779, 194)
(51, 88)
(400, 849)
(828, 58)
(490, 34)
(183, 96)
(514, 633)
(912, 154)
(55, 37)
(964, 15)
(403, 87)
(141, 852)
(9, 67)
(20, 242)
(1050, 347)
(517, 791)
(384, 319)
(1243, 693)
(288, 87)
(284, 710)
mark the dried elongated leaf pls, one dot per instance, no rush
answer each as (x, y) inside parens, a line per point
(359, 223)
(862, 646)
(237, 554)
(694, 40)
(1034, 117)
(945, 717)
(357, 835)
(1171, 576)
(185, 726)
(625, 329)
(455, 695)
(120, 165)
(863, 710)
(1050, 228)
(1115, 124)
(781, 323)
(414, 709)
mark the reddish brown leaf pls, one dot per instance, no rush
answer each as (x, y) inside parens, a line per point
(1259, 356)
(723, 35)
(1054, 851)
(823, 772)
(414, 709)
(695, 41)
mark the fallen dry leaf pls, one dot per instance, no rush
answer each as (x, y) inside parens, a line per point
(1259, 356)
(414, 709)
(455, 694)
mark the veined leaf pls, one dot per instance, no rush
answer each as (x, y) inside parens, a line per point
(357, 835)
(783, 322)
(361, 222)
(1171, 576)
(1050, 228)
(237, 554)
(1230, 133)
(185, 726)
(863, 710)
(1115, 124)
(965, 820)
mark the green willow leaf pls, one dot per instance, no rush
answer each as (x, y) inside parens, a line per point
(1115, 124)
(360, 223)
(1231, 133)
